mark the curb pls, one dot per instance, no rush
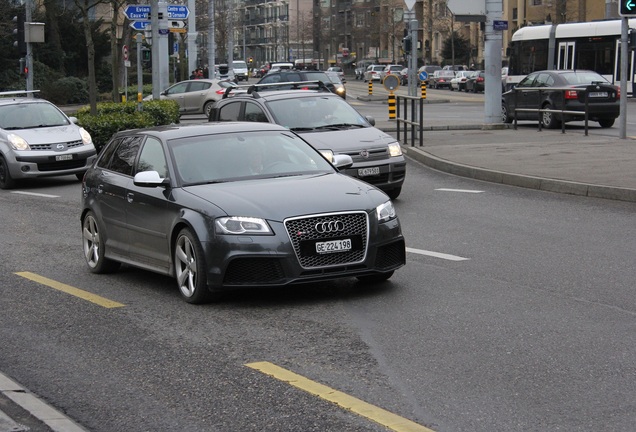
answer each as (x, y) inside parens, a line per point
(521, 180)
(39, 409)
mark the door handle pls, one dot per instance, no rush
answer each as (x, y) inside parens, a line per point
(130, 197)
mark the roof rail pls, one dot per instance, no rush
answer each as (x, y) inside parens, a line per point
(18, 92)
(252, 89)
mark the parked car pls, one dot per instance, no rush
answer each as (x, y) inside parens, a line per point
(361, 67)
(393, 69)
(456, 68)
(476, 82)
(196, 96)
(339, 86)
(506, 82)
(240, 70)
(459, 81)
(38, 140)
(404, 76)
(338, 70)
(603, 105)
(224, 72)
(287, 76)
(442, 78)
(328, 123)
(373, 73)
(209, 204)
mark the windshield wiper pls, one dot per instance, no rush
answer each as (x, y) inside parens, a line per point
(301, 129)
(340, 126)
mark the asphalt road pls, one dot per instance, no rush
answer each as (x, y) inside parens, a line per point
(515, 312)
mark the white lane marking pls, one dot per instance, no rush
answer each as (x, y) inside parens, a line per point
(437, 254)
(459, 190)
(36, 194)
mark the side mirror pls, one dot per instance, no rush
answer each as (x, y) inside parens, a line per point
(149, 179)
(342, 161)
(371, 120)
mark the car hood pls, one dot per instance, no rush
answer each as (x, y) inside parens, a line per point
(279, 198)
(49, 135)
(347, 139)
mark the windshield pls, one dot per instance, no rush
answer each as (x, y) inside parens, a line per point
(227, 157)
(588, 77)
(306, 113)
(239, 65)
(31, 115)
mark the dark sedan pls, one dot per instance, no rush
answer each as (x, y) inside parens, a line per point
(227, 205)
(476, 82)
(562, 90)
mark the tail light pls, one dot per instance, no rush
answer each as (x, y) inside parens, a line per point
(571, 94)
(220, 92)
(480, 79)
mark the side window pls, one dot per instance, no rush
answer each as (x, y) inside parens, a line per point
(152, 158)
(268, 79)
(125, 154)
(198, 86)
(527, 81)
(230, 111)
(178, 88)
(542, 80)
(254, 113)
(107, 154)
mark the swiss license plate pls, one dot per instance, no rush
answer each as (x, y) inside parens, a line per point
(330, 246)
(598, 94)
(64, 157)
(368, 171)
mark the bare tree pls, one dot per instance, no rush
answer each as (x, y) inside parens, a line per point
(84, 6)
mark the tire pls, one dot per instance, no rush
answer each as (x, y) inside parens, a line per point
(606, 123)
(6, 182)
(207, 108)
(377, 278)
(505, 115)
(549, 120)
(189, 266)
(94, 248)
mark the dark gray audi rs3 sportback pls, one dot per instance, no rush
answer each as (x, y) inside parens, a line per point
(227, 205)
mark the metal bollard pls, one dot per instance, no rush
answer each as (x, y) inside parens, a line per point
(370, 87)
(423, 89)
(391, 106)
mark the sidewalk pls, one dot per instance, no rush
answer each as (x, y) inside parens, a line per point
(598, 165)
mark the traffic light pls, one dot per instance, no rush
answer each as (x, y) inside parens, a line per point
(406, 44)
(24, 69)
(18, 31)
(627, 8)
(251, 59)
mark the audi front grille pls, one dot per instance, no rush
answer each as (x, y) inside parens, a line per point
(305, 232)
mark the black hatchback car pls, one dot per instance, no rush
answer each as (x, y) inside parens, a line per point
(562, 90)
(329, 124)
(228, 205)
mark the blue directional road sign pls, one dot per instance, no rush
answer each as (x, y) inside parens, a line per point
(423, 76)
(137, 12)
(627, 8)
(142, 12)
(178, 12)
(140, 25)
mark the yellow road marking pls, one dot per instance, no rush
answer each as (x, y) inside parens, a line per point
(93, 298)
(378, 415)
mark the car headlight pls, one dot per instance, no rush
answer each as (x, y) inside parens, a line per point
(328, 154)
(395, 149)
(17, 142)
(385, 212)
(86, 137)
(242, 225)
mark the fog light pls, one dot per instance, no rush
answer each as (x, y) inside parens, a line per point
(25, 168)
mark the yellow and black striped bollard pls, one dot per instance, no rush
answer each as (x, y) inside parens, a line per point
(391, 106)
(423, 85)
(370, 87)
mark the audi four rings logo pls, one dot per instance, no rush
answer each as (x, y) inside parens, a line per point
(330, 227)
